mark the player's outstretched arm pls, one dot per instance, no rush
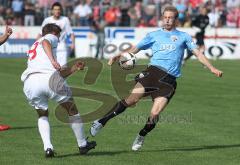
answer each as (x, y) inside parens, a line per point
(133, 50)
(7, 33)
(72, 46)
(67, 71)
(206, 62)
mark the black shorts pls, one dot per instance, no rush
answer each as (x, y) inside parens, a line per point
(157, 82)
(200, 39)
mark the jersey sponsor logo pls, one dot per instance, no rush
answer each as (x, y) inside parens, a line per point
(167, 47)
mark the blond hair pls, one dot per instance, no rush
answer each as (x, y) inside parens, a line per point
(172, 9)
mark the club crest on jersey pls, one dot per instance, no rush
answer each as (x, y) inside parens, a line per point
(174, 38)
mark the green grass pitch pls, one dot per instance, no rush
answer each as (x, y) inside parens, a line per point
(200, 126)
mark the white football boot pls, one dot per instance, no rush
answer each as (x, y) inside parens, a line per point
(138, 142)
(95, 128)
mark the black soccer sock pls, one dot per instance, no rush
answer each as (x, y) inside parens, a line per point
(149, 126)
(116, 110)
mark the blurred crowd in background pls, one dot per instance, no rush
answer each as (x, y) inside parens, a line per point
(129, 13)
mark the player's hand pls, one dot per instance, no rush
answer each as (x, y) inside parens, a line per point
(217, 72)
(8, 31)
(79, 65)
(113, 59)
(56, 65)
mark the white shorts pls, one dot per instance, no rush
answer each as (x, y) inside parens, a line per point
(40, 87)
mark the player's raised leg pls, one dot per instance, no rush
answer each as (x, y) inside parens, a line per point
(118, 108)
(158, 106)
(77, 127)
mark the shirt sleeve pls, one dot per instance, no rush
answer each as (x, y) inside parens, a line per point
(145, 43)
(68, 27)
(89, 10)
(190, 44)
(76, 11)
(53, 40)
(43, 24)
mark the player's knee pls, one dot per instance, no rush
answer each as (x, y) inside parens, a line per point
(70, 107)
(131, 101)
(42, 113)
(72, 111)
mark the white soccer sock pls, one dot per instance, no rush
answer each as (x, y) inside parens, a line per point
(77, 127)
(44, 130)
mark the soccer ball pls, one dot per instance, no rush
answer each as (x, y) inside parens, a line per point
(127, 61)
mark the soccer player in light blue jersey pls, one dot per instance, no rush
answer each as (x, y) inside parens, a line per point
(159, 79)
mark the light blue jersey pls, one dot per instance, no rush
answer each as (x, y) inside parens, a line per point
(168, 49)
